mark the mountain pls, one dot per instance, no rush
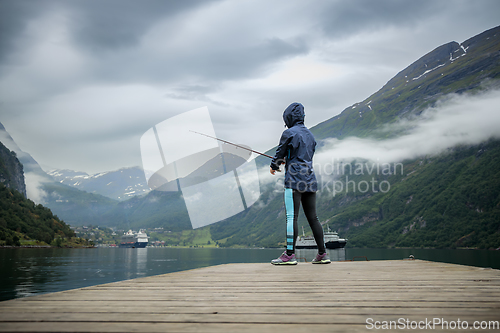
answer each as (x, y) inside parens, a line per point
(450, 68)
(72, 205)
(28, 162)
(155, 209)
(119, 185)
(127, 183)
(76, 207)
(89, 199)
(446, 200)
(11, 170)
(21, 220)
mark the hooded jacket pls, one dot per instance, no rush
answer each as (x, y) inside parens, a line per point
(296, 149)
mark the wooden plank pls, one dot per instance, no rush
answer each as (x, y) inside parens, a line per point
(196, 327)
(178, 328)
(321, 297)
(105, 306)
(148, 309)
(264, 298)
(313, 306)
(217, 317)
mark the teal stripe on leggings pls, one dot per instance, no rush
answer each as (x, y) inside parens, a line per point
(289, 218)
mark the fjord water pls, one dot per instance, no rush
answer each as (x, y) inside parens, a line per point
(32, 271)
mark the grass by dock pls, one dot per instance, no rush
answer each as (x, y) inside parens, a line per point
(339, 297)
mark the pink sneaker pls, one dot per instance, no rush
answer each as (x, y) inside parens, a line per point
(285, 259)
(321, 259)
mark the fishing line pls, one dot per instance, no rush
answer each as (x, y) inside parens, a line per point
(230, 143)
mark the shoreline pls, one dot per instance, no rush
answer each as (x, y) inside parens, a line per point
(45, 247)
(235, 248)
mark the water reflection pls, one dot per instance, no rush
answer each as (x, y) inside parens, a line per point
(142, 258)
(308, 255)
(135, 262)
(20, 273)
(26, 272)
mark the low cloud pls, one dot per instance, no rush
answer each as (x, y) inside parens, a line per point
(456, 120)
(34, 191)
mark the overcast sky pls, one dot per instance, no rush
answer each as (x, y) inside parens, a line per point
(81, 81)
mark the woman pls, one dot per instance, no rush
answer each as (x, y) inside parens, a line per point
(296, 150)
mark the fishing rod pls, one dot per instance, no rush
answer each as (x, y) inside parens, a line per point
(230, 143)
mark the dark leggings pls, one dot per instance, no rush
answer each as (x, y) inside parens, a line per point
(293, 199)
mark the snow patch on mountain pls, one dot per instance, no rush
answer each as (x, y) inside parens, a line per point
(120, 184)
(428, 71)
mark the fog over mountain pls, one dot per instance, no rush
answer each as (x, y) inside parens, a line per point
(455, 120)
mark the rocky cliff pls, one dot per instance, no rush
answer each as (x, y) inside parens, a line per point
(11, 170)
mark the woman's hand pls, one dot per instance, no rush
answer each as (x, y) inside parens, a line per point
(273, 171)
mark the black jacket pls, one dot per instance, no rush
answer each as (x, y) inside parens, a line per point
(296, 150)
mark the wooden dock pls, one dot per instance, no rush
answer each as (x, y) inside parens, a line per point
(340, 297)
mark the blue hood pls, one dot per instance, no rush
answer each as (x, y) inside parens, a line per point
(294, 114)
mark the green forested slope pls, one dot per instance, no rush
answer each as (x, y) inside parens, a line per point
(451, 200)
(20, 216)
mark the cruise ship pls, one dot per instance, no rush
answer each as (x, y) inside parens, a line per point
(134, 240)
(332, 241)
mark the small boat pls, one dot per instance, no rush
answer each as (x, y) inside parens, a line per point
(332, 241)
(134, 240)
